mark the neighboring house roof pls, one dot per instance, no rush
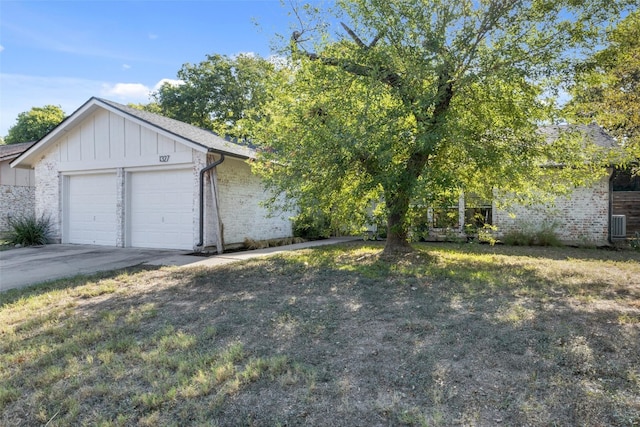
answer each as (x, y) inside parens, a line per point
(195, 137)
(11, 151)
(593, 132)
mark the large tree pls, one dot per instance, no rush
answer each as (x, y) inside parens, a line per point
(417, 101)
(216, 93)
(34, 124)
(607, 87)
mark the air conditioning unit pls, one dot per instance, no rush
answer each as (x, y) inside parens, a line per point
(618, 226)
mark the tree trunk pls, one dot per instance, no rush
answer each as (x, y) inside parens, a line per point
(397, 233)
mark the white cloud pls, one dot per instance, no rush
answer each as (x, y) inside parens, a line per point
(153, 36)
(247, 54)
(171, 82)
(1, 48)
(129, 92)
(126, 66)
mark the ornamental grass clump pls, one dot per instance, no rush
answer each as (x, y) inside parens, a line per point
(29, 230)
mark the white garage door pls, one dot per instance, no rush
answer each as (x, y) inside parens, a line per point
(161, 209)
(91, 210)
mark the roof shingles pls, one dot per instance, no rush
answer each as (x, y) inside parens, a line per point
(11, 151)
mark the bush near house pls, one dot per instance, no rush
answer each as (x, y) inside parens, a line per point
(533, 235)
(312, 226)
(29, 230)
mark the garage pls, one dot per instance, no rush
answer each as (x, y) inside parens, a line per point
(91, 209)
(114, 175)
(161, 209)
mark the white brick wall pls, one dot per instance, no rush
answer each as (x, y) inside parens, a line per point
(48, 197)
(120, 207)
(579, 218)
(15, 202)
(17, 194)
(240, 194)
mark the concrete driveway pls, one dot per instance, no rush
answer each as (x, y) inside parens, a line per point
(27, 266)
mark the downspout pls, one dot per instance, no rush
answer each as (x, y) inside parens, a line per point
(203, 171)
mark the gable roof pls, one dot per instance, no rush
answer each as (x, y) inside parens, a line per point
(199, 139)
(594, 133)
(11, 151)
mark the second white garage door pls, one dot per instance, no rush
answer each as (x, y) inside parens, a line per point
(161, 209)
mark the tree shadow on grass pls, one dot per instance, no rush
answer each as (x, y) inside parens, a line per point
(335, 337)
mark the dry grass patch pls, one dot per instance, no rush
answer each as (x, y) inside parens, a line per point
(448, 335)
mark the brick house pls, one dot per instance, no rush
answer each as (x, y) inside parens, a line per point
(587, 216)
(113, 175)
(17, 186)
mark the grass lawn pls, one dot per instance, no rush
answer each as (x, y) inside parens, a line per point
(451, 335)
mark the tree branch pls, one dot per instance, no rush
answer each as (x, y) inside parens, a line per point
(354, 36)
(375, 41)
(382, 74)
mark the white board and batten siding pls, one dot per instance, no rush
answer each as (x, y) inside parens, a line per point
(123, 184)
(106, 140)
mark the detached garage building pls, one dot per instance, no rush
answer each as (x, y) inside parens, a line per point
(113, 175)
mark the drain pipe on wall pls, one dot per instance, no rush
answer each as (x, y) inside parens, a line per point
(203, 171)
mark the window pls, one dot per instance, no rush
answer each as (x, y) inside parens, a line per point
(477, 212)
(445, 217)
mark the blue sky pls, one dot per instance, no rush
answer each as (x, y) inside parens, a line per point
(64, 52)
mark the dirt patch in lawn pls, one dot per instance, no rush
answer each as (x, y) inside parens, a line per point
(449, 335)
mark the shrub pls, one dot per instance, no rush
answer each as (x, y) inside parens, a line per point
(635, 242)
(486, 234)
(29, 230)
(312, 226)
(544, 235)
(547, 237)
(518, 238)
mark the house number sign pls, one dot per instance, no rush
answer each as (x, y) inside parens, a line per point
(164, 159)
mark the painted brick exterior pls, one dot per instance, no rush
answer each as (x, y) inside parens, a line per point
(240, 194)
(48, 197)
(582, 217)
(15, 202)
(199, 162)
(120, 207)
(17, 193)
